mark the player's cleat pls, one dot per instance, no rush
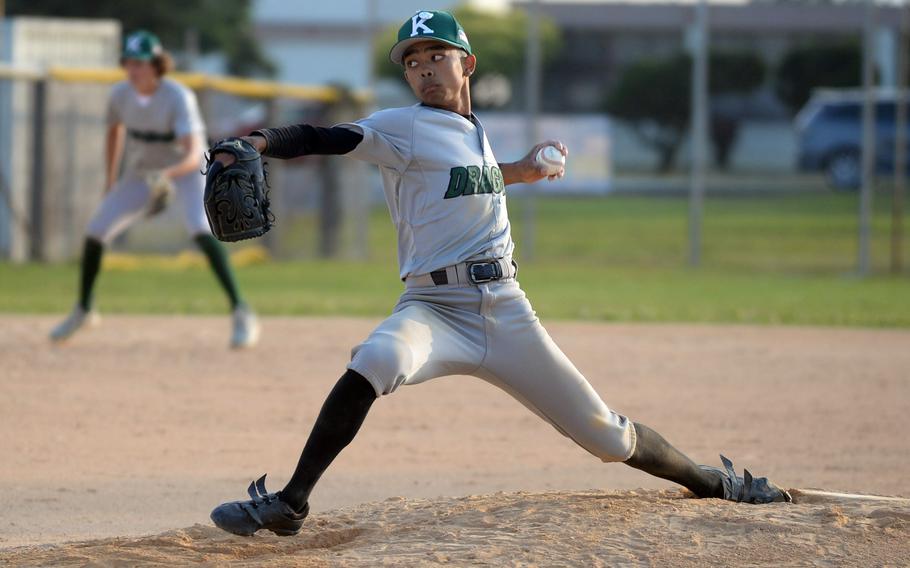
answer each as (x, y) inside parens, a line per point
(747, 489)
(78, 319)
(245, 327)
(263, 511)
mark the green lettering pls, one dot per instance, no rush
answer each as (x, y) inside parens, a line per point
(486, 184)
(458, 178)
(499, 184)
(473, 180)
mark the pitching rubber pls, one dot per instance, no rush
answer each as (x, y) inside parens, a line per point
(821, 496)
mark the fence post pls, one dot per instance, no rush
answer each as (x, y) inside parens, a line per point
(863, 260)
(532, 118)
(39, 107)
(272, 240)
(699, 113)
(900, 144)
(331, 216)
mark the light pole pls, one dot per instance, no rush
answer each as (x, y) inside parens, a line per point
(900, 142)
(868, 152)
(699, 114)
(532, 111)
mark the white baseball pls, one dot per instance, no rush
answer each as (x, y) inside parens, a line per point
(551, 160)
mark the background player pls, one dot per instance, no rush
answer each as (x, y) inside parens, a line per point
(165, 135)
(462, 311)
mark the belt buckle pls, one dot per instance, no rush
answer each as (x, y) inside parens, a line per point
(477, 269)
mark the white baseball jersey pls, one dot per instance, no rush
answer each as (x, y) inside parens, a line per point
(154, 126)
(442, 183)
(154, 123)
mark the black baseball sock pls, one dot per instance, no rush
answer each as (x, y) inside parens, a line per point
(91, 264)
(656, 456)
(339, 420)
(221, 265)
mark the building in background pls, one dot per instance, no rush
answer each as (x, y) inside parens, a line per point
(331, 42)
(610, 35)
(319, 43)
(601, 39)
(37, 211)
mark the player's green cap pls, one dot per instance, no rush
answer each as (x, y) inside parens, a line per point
(141, 45)
(429, 24)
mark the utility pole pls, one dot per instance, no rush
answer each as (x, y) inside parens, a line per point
(900, 143)
(699, 114)
(868, 153)
(360, 205)
(532, 110)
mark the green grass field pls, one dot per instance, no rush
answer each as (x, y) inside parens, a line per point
(781, 259)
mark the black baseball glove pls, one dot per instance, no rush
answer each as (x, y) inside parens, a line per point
(236, 198)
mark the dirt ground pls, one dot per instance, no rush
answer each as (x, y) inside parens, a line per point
(143, 425)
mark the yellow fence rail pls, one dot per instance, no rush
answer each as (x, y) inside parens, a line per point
(250, 88)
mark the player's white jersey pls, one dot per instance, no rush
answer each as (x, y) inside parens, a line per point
(442, 183)
(154, 123)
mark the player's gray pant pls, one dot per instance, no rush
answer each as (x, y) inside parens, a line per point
(129, 199)
(490, 331)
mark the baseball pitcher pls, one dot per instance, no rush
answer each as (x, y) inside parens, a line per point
(462, 310)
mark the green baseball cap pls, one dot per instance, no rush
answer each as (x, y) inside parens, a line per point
(429, 24)
(142, 45)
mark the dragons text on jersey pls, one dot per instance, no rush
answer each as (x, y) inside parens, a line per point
(427, 158)
(472, 180)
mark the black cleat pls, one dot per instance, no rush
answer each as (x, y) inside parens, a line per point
(747, 489)
(264, 511)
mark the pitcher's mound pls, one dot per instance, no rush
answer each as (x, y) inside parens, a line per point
(662, 528)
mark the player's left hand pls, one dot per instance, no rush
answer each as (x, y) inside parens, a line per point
(161, 191)
(533, 171)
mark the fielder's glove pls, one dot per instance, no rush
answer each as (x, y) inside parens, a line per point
(161, 192)
(236, 202)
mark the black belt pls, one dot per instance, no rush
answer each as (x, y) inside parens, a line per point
(152, 136)
(478, 272)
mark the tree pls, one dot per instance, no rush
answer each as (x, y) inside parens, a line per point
(731, 73)
(654, 96)
(223, 25)
(499, 40)
(807, 67)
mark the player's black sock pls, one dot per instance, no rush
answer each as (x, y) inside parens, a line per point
(654, 455)
(221, 265)
(339, 420)
(91, 264)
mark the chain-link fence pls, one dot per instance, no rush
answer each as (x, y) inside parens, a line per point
(769, 201)
(54, 179)
(750, 164)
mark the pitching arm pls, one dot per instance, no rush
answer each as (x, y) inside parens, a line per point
(527, 170)
(303, 139)
(288, 142)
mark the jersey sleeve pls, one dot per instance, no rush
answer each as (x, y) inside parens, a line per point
(387, 138)
(187, 118)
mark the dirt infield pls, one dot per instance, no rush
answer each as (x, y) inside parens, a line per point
(143, 425)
